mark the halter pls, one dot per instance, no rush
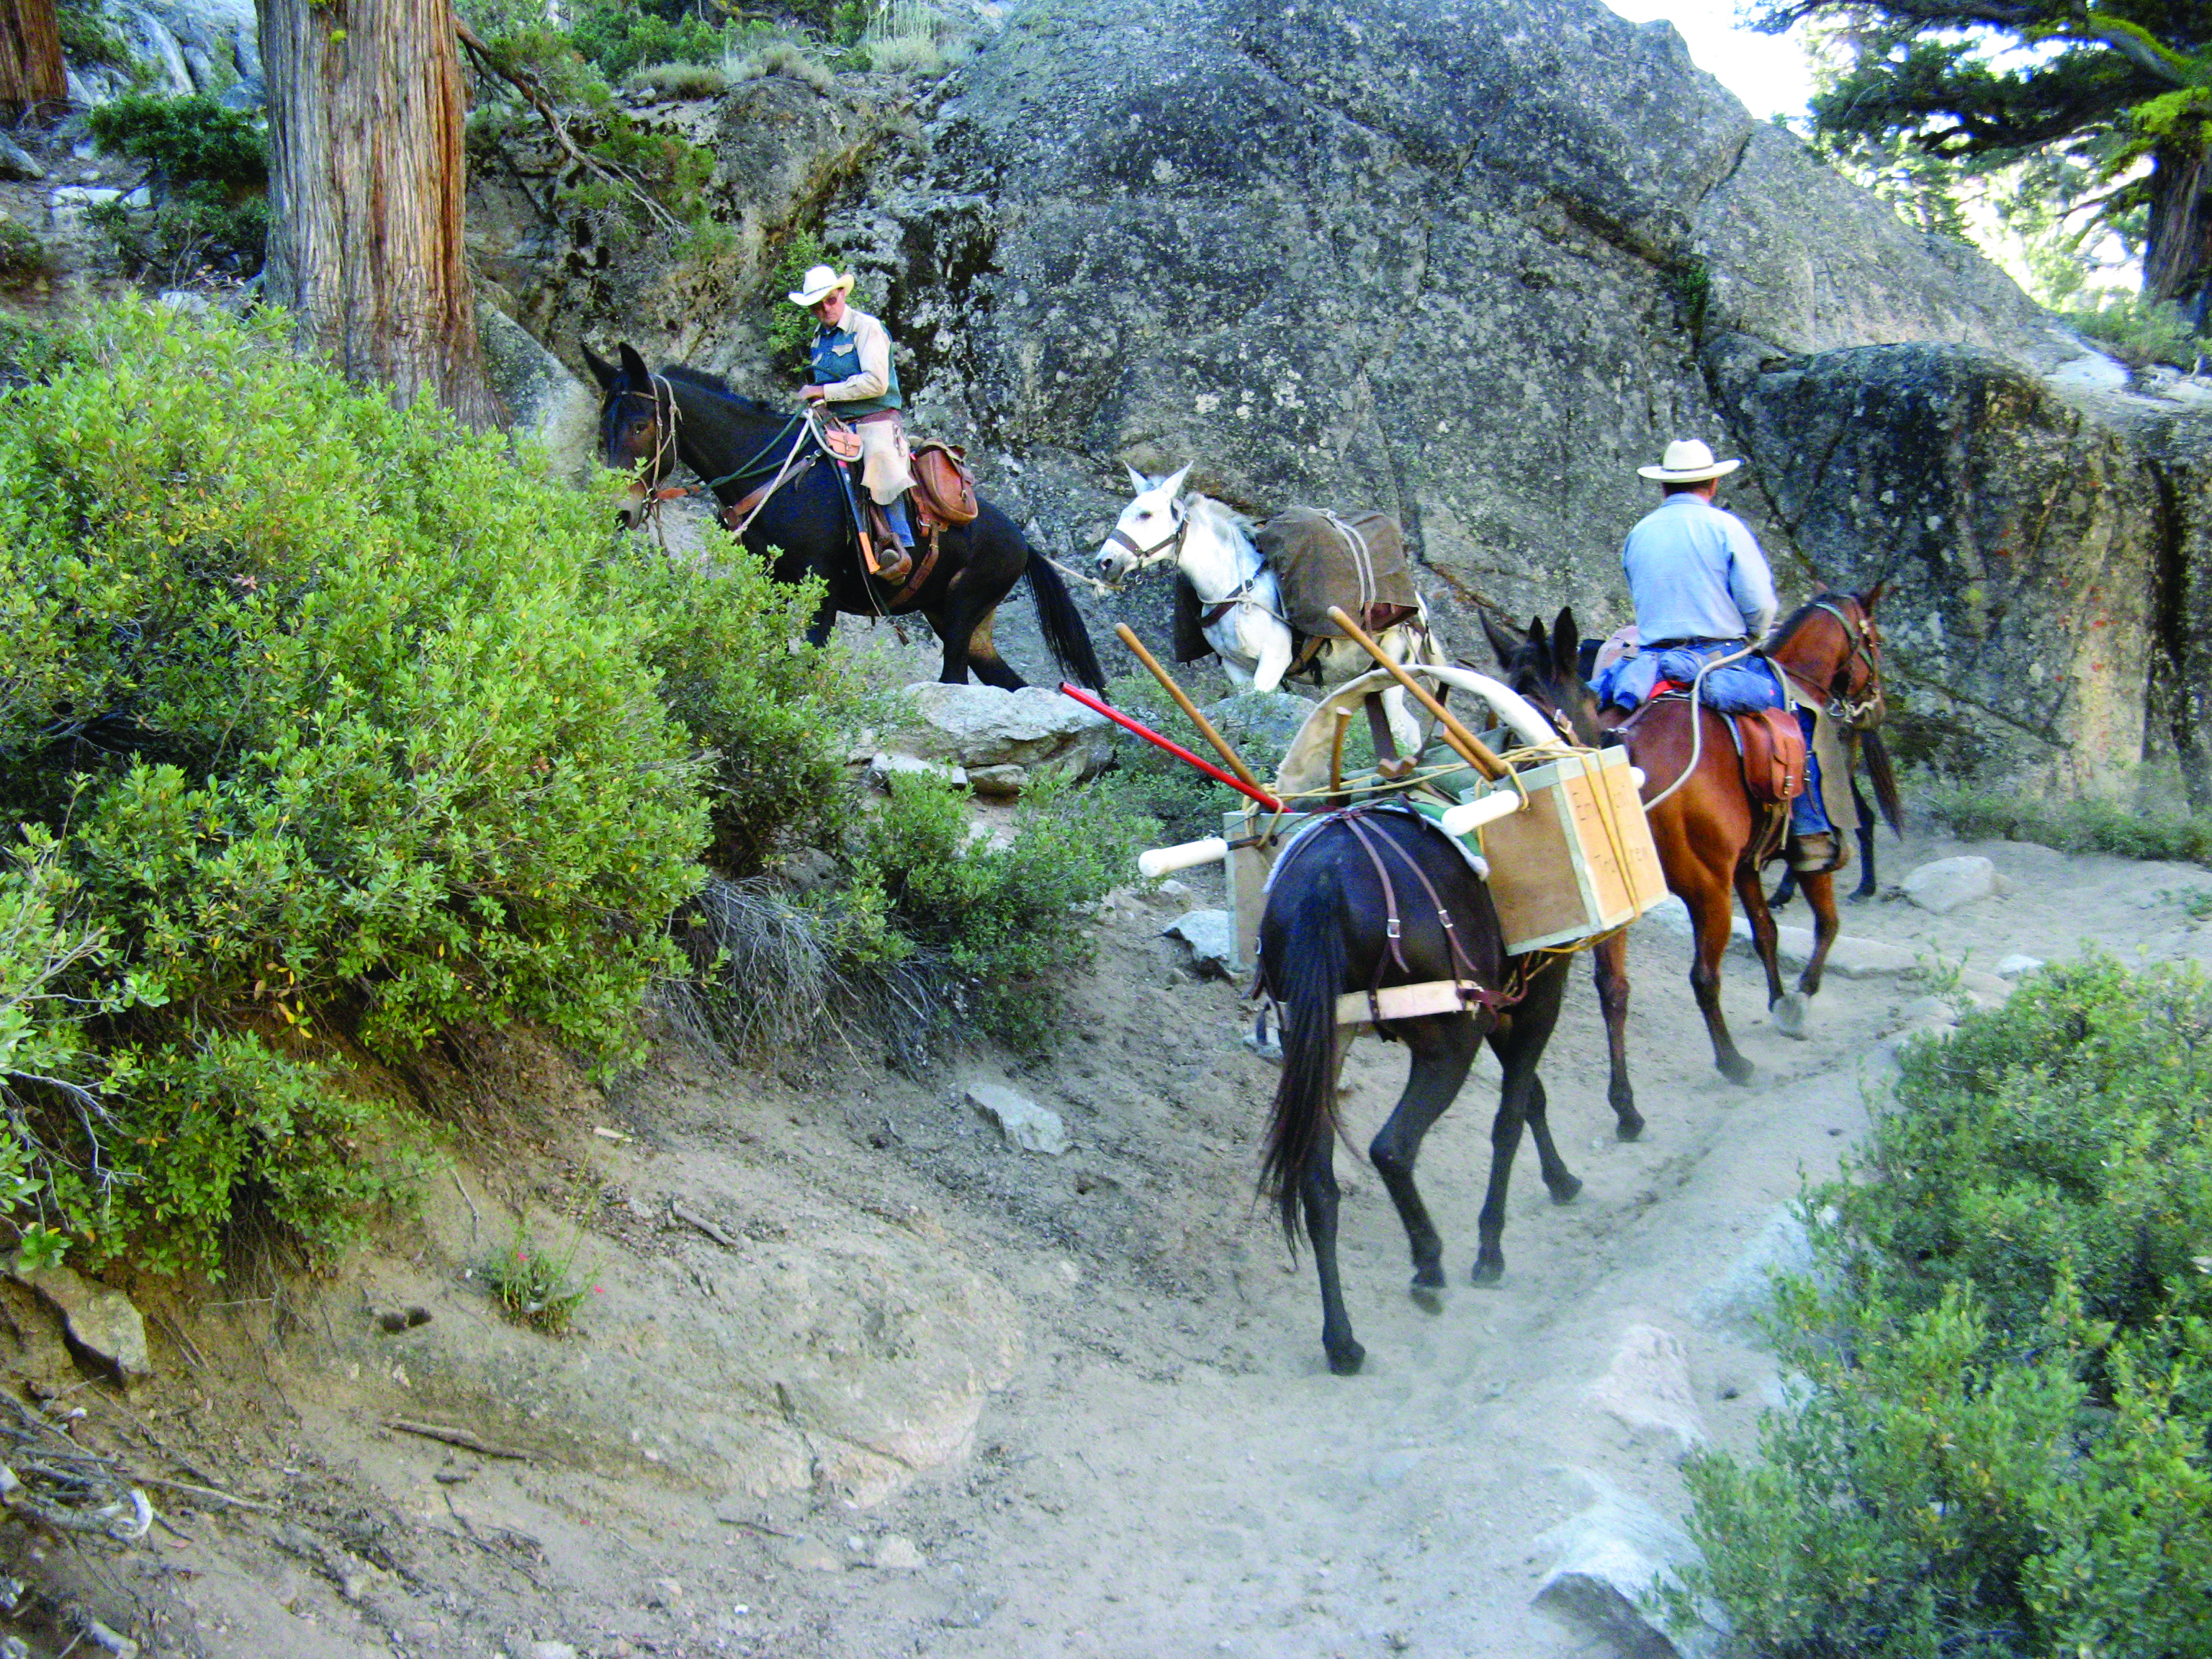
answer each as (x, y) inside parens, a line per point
(665, 443)
(1172, 541)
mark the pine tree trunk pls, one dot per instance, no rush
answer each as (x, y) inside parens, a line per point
(2178, 252)
(31, 71)
(366, 185)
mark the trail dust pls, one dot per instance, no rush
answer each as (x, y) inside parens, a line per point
(861, 1377)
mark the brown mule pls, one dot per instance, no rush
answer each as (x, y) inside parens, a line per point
(1709, 830)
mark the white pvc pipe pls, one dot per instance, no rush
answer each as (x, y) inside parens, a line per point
(1470, 816)
(1165, 861)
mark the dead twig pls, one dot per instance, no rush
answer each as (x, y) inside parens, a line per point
(460, 1437)
(215, 1494)
(702, 1224)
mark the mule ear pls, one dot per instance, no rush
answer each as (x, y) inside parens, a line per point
(1566, 643)
(1818, 588)
(1872, 597)
(1138, 480)
(1503, 645)
(1173, 483)
(602, 370)
(633, 365)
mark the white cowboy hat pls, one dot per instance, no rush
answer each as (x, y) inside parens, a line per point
(1687, 461)
(818, 284)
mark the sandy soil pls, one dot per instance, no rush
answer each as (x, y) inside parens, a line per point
(937, 1396)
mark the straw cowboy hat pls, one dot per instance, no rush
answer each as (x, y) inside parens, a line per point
(1687, 461)
(821, 281)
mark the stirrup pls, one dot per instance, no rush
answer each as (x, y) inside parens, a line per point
(1808, 857)
(897, 566)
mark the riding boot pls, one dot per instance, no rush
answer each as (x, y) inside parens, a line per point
(898, 557)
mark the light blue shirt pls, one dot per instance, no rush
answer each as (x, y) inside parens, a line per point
(1696, 572)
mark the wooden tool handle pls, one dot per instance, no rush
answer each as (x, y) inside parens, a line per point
(1471, 748)
(1127, 635)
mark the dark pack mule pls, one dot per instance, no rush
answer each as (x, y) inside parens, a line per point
(1364, 901)
(737, 444)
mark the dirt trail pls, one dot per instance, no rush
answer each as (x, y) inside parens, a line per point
(937, 1396)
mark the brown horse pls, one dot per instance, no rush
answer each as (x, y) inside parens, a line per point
(1711, 833)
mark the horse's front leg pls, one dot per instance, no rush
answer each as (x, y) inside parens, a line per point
(1271, 651)
(1785, 1009)
(1443, 1046)
(1609, 968)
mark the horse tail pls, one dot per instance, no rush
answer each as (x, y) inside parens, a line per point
(1062, 623)
(1306, 985)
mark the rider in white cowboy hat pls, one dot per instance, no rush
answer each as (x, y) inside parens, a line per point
(855, 379)
(1700, 584)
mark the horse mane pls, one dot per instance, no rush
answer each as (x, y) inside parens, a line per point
(1219, 516)
(715, 385)
(1782, 629)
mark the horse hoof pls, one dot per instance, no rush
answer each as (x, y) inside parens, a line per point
(1429, 1298)
(1788, 1013)
(1488, 1270)
(1568, 1190)
(1347, 1361)
(1628, 1126)
(1736, 1069)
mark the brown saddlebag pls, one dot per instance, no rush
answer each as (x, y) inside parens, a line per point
(944, 488)
(1773, 747)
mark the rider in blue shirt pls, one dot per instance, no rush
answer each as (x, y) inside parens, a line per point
(1699, 582)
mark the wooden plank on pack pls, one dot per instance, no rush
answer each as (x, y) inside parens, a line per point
(1431, 996)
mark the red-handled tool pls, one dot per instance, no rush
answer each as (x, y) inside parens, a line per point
(1175, 749)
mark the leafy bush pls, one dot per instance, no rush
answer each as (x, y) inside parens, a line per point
(23, 254)
(680, 81)
(790, 330)
(2140, 331)
(1004, 919)
(615, 38)
(208, 167)
(88, 38)
(2001, 1448)
(350, 727)
(2091, 825)
(1187, 803)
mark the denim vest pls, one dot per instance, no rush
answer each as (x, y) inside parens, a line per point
(835, 356)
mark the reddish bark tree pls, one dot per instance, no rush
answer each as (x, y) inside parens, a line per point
(31, 71)
(367, 186)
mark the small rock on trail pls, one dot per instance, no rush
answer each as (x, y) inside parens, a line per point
(1032, 1127)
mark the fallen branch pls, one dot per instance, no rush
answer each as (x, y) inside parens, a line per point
(219, 1496)
(460, 1437)
(702, 1224)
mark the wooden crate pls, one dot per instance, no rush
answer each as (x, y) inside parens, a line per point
(1578, 860)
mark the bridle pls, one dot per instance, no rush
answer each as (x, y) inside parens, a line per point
(1863, 645)
(647, 490)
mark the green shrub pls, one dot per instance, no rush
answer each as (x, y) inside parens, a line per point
(680, 81)
(184, 141)
(2140, 331)
(354, 727)
(2091, 825)
(1186, 802)
(616, 37)
(88, 38)
(790, 330)
(23, 254)
(208, 167)
(2001, 1444)
(1003, 918)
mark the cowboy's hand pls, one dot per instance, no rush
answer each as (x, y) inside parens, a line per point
(809, 394)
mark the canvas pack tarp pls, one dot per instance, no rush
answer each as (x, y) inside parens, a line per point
(1354, 560)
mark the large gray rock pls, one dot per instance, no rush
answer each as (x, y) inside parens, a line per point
(1211, 936)
(17, 163)
(983, 726)
(1944, 884)
(1647, 1387)
(550, 406)
(1609, 1557)
(102, 1324)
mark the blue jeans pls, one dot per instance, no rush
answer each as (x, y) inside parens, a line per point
(902, 526)
(1808, 813)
